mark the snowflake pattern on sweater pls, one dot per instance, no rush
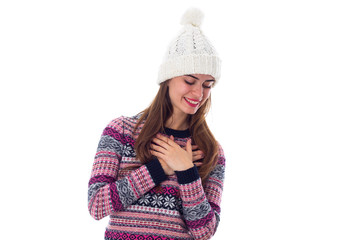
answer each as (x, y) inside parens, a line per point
(144, 203)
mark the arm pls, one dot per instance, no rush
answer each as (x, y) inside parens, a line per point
(201, 204)
(107, 193)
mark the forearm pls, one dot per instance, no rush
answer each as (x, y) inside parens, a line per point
(107, 195)
(201, 215)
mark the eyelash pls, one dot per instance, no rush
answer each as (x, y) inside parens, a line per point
(193, 84)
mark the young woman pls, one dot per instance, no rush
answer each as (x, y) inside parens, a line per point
(159, 174)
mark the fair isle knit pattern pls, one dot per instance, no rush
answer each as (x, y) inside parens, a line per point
(144, 203)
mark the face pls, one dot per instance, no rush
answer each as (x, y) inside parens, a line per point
(189, 92)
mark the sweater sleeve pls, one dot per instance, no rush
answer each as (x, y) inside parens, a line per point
(107, 193)
(201, 204)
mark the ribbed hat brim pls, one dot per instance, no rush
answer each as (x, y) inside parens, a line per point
(190, 64)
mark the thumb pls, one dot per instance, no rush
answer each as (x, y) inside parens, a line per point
(188, 146)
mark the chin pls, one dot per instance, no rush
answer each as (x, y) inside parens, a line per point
(190, 112)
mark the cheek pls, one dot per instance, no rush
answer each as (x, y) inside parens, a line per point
(206, 95)
(180, 91)
(177, 92)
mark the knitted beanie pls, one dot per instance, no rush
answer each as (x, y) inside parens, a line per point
(190, 52)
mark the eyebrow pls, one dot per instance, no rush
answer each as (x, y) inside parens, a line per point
(210, 80)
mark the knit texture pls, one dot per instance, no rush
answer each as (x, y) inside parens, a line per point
(190, 52)
(144, 203)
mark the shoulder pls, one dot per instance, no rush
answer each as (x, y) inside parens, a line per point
(221, 154)
(123, 123)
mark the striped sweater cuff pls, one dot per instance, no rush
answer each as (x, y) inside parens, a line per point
(156, 171)
(187, 176)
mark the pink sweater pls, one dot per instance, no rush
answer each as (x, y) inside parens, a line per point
(180, 207)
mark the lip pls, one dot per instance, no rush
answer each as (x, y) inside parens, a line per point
(194, 100)
(191, 104)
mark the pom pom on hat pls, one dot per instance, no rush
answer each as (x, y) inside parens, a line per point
(190, 52)
(192, 16)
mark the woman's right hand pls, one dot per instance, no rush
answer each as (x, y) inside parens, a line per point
(197, 155)
(168, 171)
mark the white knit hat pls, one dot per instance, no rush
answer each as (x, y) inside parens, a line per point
(190, 52)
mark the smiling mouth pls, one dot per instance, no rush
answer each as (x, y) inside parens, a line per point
(192, 103)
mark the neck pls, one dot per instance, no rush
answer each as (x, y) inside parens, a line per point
(178, 122)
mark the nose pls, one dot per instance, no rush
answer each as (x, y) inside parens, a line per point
(198, 91)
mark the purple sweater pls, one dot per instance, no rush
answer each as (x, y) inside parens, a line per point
(144, 203)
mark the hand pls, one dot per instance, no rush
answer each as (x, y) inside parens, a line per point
(168, 171)
(197, 154)
(178, 159)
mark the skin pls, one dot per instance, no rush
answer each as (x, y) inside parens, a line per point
(172, 157)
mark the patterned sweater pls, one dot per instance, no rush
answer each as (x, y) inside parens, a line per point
(144, 203)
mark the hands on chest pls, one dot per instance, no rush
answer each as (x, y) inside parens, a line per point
(172, 156)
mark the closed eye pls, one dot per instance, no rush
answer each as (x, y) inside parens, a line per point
(190, 83)
(208, 84)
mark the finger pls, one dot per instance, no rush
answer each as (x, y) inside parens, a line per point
(198, 152)
(197, 157)
(165, 139)
(188, 146)
(157, 154)
(198, 164)
(160, 143)
(157, 148)
(172, 137)
(195, 147)
(162, 137)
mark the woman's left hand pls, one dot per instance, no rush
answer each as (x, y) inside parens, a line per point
(175, 157)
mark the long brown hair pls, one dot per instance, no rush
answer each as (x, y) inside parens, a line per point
(156, 115)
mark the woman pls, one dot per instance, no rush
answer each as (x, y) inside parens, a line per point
(159, 174)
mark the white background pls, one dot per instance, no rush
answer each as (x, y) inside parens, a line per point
(286, 109)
